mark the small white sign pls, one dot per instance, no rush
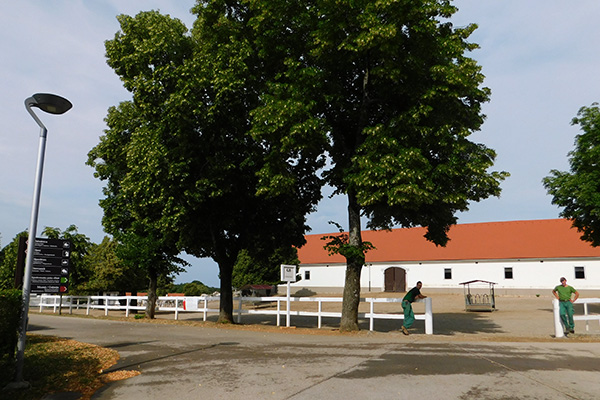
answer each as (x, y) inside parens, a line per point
(190, 303)
(288, 273)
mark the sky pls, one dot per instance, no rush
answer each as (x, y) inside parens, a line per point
(540, 59)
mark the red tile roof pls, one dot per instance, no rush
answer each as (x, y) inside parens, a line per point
(551, 238)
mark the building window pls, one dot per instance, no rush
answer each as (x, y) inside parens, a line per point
(579, 272)
(508, 273)
(447, 273)
(307, 275)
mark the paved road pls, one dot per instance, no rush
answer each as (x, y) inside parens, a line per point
(187, 362)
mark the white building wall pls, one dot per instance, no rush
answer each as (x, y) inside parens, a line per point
(527, 274)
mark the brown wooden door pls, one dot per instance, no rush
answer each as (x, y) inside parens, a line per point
(395, 280)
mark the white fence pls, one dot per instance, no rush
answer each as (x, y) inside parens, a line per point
(558, 328)
(181, 304)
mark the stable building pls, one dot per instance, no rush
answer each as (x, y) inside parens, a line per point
(521, 257)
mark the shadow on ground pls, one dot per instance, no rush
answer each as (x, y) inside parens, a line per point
(443, 323)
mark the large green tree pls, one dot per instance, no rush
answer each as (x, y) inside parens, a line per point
(178, 158)
(391, 85)
(577, 191)
(146, 250)
(148, 55)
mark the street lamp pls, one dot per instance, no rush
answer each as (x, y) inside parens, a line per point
(52, 104)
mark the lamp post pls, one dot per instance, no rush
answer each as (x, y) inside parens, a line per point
(52, 104)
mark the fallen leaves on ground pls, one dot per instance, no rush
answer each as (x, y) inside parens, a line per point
(55, 365)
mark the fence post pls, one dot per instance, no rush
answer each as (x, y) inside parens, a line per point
(372, 309)
(239, 318)
(278, 312)
(287, 311)
(428, 316)
(558, 330)
(320, 302)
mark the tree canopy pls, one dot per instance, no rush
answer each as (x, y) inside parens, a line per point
(178, 158)
(390, 85)
(221, 147)
(577, 191)
(109, 272)
(262, 269)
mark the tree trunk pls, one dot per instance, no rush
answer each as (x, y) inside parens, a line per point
(151, 303)
(354, 264)
(226, 300)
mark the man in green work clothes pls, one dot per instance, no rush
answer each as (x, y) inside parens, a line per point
(409, 316)
(564, 294)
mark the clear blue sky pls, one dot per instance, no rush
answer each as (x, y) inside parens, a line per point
(540, 58)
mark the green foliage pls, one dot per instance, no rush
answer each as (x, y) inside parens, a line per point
(109, 272)
(262, 268)
(389, 87)
(8, 263)
(181, 165)
(391, 84)
(340, 244)
(578, 191)
(220, 149)
(194, 288)
(10, 317)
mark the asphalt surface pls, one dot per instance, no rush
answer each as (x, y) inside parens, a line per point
(193, 362)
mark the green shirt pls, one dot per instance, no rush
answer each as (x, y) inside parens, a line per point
(412, 294)
(564, 292)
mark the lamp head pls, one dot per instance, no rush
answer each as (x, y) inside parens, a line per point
(49, 103)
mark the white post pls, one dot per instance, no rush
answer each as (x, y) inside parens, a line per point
(587, 321)
(320, 302)
(558, 330)
(371, 316)
(239, 319)
(278, 312)
(288, 274)
(428, 316)
(287, 316)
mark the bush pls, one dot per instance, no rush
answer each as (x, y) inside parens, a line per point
(10, 318)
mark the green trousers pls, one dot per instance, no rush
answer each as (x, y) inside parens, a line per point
(566, 314)
(409, 315)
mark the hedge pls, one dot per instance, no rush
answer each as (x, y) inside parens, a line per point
(10, 318)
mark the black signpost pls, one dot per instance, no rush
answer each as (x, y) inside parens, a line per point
(51, 261)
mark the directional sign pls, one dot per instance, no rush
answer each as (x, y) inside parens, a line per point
(51, 262)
